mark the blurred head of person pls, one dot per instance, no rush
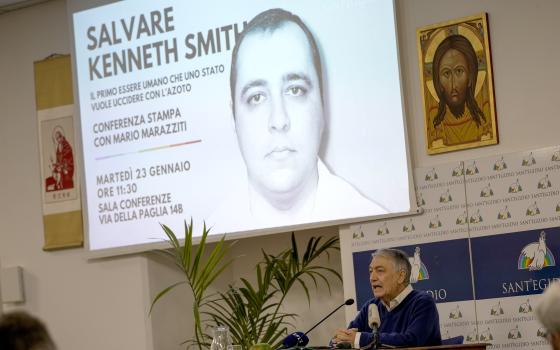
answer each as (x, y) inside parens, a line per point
(548, 313)
(21, 331)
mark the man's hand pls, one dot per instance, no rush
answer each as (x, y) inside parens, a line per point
(344, 335)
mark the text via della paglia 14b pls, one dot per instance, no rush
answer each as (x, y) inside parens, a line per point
(150, 89)
(121, 199)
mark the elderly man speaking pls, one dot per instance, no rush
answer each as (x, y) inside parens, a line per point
(408, 317)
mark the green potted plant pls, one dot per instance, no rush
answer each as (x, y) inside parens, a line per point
(253, 311)
(199, 270)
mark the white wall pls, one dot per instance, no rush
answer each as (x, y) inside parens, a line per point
(86, 305)
(103, 304)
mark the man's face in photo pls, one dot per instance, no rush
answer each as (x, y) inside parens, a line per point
(278, 109)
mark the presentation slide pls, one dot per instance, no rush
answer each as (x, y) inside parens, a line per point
(252, 116)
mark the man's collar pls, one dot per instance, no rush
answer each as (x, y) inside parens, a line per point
(398, 299)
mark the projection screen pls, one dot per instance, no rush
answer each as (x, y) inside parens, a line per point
(306, 130)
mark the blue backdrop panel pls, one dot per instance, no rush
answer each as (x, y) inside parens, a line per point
(520, 263)
(446, 271)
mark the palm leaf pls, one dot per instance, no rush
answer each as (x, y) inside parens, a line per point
(199, 272)
(163, 292)
(253, 310)
(187, 245)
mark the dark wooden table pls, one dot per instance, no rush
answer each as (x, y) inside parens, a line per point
(477, 346)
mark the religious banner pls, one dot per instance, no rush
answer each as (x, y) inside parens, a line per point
(457, 87)
(60, 186)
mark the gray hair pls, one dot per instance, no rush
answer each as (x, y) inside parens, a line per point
(399, 259)
(548, 309)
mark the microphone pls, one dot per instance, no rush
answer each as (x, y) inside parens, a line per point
(373, 322)
(295, 339)
(373, 317)
(301, 339)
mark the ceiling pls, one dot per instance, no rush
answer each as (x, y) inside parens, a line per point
(12, 5)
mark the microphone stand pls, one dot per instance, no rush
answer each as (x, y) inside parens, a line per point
(374, 344)
(300, 339)
(347, 302)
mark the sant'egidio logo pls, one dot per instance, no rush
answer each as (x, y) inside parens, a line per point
(515, 187)
(420, 199)
(544, 183)
(486, 192)
(458, 171)
(486, 335)
(383, 230)
(525, 307)
(514, 333)
(445, 197)
(358, 233)
(472, 169)
(419, 271)
(409, 226)
(461, 219)
(455, 314)
(532, 210)
(472, 336)
(431, 175)
(435, 222)
(500, 164)
(476, 217)
(497, 309)
(536, 256)
(529, 160)
(504, 213)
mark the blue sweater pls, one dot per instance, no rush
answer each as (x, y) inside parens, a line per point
(414, 322)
